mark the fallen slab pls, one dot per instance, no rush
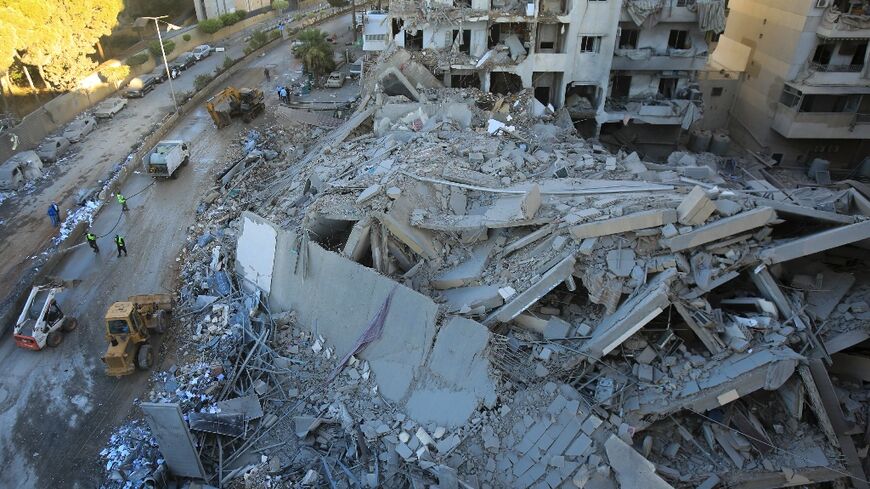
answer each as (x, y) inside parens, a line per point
(720, 383)
(632, 315)
(556, 275)
(695, 208)
(722, 228)
(173, 438)
(632, 469)
(631, 222)
(466, 272)
(815, 243)
(802, 211)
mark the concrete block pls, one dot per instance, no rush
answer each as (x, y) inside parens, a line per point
(727, 208)
(722, 228)
(357, 244)
(620, 262)
(556, 328)
(631, 222)
(397, 221)
(475, 296)
(587, 246)
(579, 447)
(631, 468)
(368, 194)
(695, 208)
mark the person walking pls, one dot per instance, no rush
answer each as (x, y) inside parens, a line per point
(92, 242)
(123, 201)
(54, 214)
(282, 93)
(266, 72)
(121, 244)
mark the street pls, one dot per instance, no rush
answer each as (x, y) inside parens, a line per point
(57, 405)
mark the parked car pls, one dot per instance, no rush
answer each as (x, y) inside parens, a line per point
(294, 46)
(109, 107)
(139, 86)
(335, 80)
(201, 51)
(184, 61)
(85, 195)
(19, 169)
(52, 148)
(80, 128)
(356, 68)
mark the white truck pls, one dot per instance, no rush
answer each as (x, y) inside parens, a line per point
(166, 157)
(42, 322)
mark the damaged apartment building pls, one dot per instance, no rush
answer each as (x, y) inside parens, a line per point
(805, 93)
(614, 64)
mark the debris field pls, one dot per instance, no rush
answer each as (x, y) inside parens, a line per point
(458, 291)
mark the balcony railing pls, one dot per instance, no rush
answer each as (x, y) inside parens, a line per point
(862, 118)
(836, 68)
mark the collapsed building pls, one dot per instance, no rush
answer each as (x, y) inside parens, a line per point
(451, 289)
(633, 66)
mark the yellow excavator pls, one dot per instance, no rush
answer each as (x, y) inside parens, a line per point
(128, 329)
(232, 102)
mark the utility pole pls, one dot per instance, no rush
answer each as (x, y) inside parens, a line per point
(353, 18)
(163, 52)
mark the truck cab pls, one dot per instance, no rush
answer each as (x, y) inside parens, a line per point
(125, 332)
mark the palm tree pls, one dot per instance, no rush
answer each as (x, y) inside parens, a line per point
(315, 52)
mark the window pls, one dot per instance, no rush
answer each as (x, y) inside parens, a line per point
(823, 53)
(777, 157)
(678, 39)
(376, 37)
(668, 87)
(790, 96)
(628, 39)
(682, 3)
(590, 44)
(547, 45)
(717, 92)
(621, 86)
(464, 42)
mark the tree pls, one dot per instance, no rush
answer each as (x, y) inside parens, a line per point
(280, 5)
(186, 37)
(56, 37)
(315, 52)
(337, 3)
(115, 74)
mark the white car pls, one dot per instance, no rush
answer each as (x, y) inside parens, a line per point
(79, 128)
(109, 107)
(201, 51)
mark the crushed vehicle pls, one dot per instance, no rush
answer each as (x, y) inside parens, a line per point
(79, 128)
(53, 148)
(335, 80)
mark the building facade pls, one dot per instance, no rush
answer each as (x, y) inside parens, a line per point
(610, 62)
(806, 91)
(212, 9)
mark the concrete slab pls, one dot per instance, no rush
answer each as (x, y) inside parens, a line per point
(631, 222)
(255, 253)
(357, 244)
(632, 315)
(475, 296)
(466, 272)
(397, 221)
(620, 262)
(815, 243)
(632, 469)
(722, 228)
(174, 439)
(456, 378)
(787, 209)
(695, 208)
(533, 294)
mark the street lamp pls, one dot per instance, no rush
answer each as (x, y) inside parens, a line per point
(163, 52)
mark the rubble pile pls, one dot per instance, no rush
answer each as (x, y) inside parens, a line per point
(459, 291)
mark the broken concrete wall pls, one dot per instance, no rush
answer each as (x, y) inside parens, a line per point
(255, 254)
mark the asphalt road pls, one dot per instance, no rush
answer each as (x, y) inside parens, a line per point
(57, 406)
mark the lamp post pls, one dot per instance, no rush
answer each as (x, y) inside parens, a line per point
(163, 52)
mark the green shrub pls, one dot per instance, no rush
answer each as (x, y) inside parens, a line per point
(210, 26)
(154, 48)
(248, 50)
(280, 4)
(258, 40)
(230, 19)
(274, 35)
(186, 37)
(137, 59)
(229, 61)
(201, 81)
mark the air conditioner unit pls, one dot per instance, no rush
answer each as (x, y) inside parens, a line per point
(822, 3)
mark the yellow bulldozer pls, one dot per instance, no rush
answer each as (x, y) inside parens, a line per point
(232, 102)
(128, 330)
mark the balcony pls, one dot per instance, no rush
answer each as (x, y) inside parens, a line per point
(836, 68)
(668, 14)
(837, 25)
(648, 59)
(820, 125)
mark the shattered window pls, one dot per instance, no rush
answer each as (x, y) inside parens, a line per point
(590, 44)
(790, 96)
(628, 39)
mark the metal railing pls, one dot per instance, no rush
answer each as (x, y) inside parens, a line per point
(829, 68)
(862, 118)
